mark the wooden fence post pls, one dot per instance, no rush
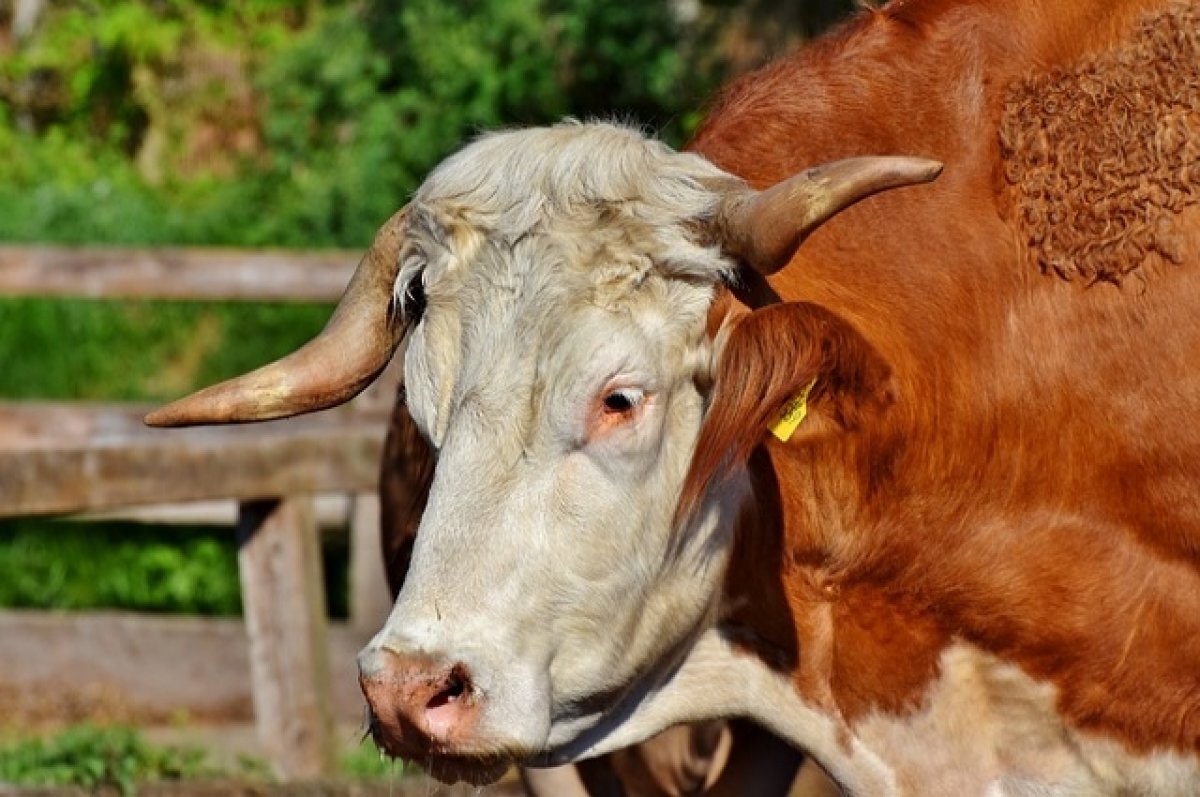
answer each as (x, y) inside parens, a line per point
(283, 597)
(370, 599)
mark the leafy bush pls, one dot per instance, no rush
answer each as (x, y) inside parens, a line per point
(261, 122)
(89, 756)
(55, 564)
(62, 565)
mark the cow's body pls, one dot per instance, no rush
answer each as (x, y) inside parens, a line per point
(975, 567)
(1007, 560)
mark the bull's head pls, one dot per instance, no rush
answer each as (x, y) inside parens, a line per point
(552, 290)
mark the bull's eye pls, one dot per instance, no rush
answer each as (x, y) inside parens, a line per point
(614, 409)
(413, 301)
(620, 402)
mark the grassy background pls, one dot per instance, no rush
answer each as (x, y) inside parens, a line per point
(91, 756)
(60, 564)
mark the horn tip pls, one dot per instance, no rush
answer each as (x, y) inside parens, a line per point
(208, 406)
(167, 417)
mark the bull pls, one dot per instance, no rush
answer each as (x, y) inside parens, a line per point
(910, 481)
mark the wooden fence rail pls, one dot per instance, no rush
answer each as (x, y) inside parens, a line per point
(68, 666)
(57, 458)
(73, 457)
(173, 273)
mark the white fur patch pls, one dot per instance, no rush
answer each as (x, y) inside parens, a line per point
(546, 220)
(987, 728)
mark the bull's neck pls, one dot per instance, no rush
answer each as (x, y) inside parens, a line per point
(855, 595)
(781, 598)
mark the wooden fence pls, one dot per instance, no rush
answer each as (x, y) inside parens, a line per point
(62, 458)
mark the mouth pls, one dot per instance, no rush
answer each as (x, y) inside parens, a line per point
(475, 770)
(476, 767)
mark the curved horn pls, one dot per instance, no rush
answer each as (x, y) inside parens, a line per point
(764, 228)
(355, 345)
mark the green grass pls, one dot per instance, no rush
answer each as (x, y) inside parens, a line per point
(364, 761)
(55, 564)
(49, 564)
(91, 756)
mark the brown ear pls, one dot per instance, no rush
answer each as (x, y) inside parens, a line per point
(768, 358)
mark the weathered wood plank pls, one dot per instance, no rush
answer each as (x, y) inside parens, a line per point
(57, 458)
(283, 601)
(139, 668)
(370, 599)
(333, 513)
(175, 273)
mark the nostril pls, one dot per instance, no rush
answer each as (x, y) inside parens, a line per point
(457, 685)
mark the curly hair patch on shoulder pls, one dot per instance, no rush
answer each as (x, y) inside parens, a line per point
(1101, 158)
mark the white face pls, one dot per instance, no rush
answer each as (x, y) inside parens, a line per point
(556, 374)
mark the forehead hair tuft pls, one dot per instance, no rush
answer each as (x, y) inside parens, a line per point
(577, 179)
(515, 178)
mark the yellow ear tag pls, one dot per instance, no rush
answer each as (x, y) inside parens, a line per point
(793, 415)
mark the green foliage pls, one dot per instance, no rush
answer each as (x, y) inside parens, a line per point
(263, 122)
(365, 761)
(90, 756)
(84, 349)
(635, 60)
(63, 565)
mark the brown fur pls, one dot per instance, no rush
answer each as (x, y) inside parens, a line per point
(405, 476)
(1101, 157)
(1032, 487)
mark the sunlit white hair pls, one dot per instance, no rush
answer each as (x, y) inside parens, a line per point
(599, 183)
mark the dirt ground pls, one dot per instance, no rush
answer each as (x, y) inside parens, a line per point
(402, 787)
